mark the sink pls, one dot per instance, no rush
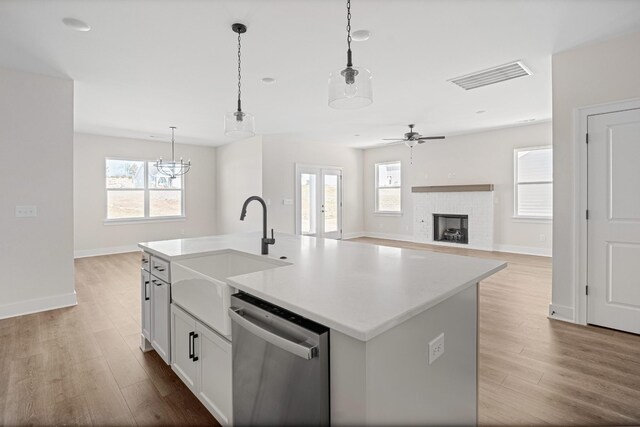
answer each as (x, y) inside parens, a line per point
(199, 284)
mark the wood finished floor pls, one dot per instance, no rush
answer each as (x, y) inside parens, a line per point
(536, 371)
(81, 365)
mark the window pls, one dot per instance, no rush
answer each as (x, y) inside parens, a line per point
(533, 182)
(136, 190)
(388, 187)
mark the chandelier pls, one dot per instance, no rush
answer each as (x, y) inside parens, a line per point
(173, 168)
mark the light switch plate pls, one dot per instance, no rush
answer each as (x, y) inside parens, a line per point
(436, 348)
(287, 202)
(26, 211)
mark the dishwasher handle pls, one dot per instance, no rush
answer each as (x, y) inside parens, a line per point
(304, 350)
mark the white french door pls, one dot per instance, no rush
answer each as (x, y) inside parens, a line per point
(613, 248)
(319, 201)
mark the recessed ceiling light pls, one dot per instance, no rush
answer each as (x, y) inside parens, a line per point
(361, 35)
(357, 134)
(76, 24)
(268, 80)
(481, 111)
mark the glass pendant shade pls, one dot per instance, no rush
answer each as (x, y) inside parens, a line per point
(239, 124)
(350, 88)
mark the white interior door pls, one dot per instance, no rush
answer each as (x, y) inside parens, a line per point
(613, 268)
(319, 201)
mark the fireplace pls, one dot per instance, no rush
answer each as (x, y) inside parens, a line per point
(451, 228)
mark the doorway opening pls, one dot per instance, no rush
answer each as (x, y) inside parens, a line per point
(319, 201)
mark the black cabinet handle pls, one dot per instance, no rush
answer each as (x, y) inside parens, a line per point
(146, 296)
(155, 282)
(195, 358)
(158, 268)
(191, 344)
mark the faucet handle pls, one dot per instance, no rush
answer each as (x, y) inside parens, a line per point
(272, 238)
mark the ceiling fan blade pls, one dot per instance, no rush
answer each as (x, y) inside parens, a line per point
(392, 142)
(392, 139)
(430, 137)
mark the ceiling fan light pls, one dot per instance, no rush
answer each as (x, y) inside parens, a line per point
(411, 143)
(239, 126)
(350, 88)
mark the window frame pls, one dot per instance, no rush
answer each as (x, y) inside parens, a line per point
(516, 215)
(376, 189)
(147, 191)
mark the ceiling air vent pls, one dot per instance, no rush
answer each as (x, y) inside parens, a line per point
(493, 75)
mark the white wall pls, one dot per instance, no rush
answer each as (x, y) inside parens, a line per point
(278, 179)
(93, 236)
(585, 76)
(238, 176)
(479, 158)
(36, 151)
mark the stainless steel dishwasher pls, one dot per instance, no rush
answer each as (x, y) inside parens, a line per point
(280, 365)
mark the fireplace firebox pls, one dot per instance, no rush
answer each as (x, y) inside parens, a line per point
(451, 228)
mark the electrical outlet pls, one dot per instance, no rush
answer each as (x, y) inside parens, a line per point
(436, 348)
(287, 202)
(26, 211)
(542, 238)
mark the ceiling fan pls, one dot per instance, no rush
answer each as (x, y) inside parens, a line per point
(412, 138)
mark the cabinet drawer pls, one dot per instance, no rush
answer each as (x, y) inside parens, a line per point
(144, 262)
(160, 268)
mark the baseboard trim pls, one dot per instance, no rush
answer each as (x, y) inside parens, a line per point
(84, 253)
(561, 312)
(37, 305)
(525, 250)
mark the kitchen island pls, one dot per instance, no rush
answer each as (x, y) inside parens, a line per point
(384, 306)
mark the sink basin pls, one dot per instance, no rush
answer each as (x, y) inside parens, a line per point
(199, 284)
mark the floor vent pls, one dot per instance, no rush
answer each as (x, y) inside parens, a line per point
(493, 75)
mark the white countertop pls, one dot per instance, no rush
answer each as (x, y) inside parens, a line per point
(359, 289)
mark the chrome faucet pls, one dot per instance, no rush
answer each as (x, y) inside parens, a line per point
(265, 241)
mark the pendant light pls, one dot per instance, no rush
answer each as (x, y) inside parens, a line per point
(350, 87)
(173, 168)
(238, 123)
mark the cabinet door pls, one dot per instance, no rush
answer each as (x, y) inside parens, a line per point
(183, 330)
(160, 318)
(214, 373)
(145, 298)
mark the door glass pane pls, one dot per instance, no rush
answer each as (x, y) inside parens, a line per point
(308, 206)
(125, 204)
(124, 174)
(165, 203)
(330, 203)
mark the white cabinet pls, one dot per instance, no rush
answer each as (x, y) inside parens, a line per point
(155, 298)
(202, 359)
(183, 329)
(214, 354)
(145, 298)
(160, 318)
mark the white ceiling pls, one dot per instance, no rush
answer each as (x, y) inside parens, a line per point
(147, 65)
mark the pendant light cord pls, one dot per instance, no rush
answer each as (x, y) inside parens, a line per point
(239, 74)
(173, 141)
(349, 63)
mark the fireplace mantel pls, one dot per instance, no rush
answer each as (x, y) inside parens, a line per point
(452, 188)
